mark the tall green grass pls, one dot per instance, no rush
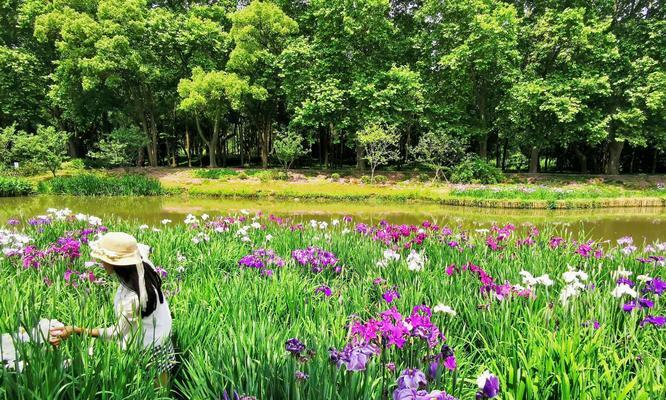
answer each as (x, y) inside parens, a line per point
(12, 187)
(230, 324)
(101, 185)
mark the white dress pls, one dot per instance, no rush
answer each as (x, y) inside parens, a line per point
(155, 328)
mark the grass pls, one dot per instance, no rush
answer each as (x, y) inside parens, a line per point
(102, 185)
(495, 196)
(13, 187)
(231, 324)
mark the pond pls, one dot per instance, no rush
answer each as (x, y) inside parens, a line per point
(643, 224)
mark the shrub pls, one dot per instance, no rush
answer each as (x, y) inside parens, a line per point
(423, 177)
(242, 175)
(365, 179)
(11, 187)
(98, 185)
(476, 170)
(76, 164)
(335, 176)
(381, 179)
(215, 173)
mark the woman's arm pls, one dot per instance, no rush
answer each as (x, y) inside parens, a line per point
(129, 315)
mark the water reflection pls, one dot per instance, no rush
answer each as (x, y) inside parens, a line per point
(647, 223)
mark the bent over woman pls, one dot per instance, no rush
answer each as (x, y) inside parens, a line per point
(139, 303)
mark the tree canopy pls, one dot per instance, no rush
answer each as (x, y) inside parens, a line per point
(569, 85)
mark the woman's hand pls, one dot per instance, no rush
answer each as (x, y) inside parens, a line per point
(57, 335)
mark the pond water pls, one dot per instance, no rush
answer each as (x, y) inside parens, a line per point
(643, 224)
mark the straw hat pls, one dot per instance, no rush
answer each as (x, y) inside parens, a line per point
(116, 248)
(121, 250)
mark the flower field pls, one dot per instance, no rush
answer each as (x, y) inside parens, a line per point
(270, 308)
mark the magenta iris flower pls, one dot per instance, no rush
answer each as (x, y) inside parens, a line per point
(391, 295)
(324, 289)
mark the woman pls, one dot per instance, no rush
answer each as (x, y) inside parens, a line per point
(139, 303)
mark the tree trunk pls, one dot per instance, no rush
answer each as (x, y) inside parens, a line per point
(483, 147)
(152, 142)
(534, 160)
(187, 145)
(265, 142)
(504, 154)
(654, 161)
(614, 153)
(582, 160)
(360, 162)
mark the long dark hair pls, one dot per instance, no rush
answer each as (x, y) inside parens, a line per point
(129, 277)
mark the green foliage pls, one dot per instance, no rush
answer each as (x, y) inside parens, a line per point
(121, 148)
(335, 176)
(47, 148)
(475, 170)
(379, 144)
(381, 179)
(102, 185)
(76, 164)
(221, 173)
(579, 83)
(12, 187)
(438, 151)
(365, 179)
(271, 175)
(288, 147)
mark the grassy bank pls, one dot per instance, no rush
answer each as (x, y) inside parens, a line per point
(519, 191)
(559, 195)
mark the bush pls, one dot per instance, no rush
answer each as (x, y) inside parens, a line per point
(423, 177)
(242, 175)
(12, 187)
(476, 170)
(335, 176)
(271, 175)
(97, 185)
(221, 173)
(76, 164)
(381, 179)
(365, 179)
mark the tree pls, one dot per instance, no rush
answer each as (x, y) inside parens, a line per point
(559, 98)
(379, 144)
(121, 148)
(47, 147)
(470, 58)
(438, 151)
(212, 95)
(259, 32)
(288, 147)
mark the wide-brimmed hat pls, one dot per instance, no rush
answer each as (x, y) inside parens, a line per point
(116, 248)
(122, 250)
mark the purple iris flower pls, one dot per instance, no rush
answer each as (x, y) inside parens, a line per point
(412, 379)
(656, 286)
(301, 376)
(294, 346)
(656, 320)
(488, 388)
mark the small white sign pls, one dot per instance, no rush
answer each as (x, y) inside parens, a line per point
(16, 165)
